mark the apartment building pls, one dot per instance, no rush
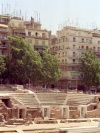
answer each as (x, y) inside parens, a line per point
(37, 37)
(31, 31)
(68, 46)
(17, 27)
(4, 29)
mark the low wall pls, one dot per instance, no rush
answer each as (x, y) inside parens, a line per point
(74, 114)
(93, 113)
(56, 113)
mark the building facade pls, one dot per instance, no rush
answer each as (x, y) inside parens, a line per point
(4, 30)
(68, 46)
(31, 31)
(37, 37)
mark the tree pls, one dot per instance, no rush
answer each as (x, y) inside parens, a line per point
(26, 65)
(50, 68)
(24, 62)
(2, 64)
(90, 69)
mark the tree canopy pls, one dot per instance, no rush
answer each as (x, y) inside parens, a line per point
(2, 65)
(90, 69)
(26, 64)
(50, 68)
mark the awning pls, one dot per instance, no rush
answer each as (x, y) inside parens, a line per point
(3, 25)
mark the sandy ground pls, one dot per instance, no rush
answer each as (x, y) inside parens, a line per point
(49, 126)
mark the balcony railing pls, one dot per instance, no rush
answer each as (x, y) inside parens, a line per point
(3, 30)
(3, 46)
(74, 64)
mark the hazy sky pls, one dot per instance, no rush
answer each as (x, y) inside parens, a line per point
(56, 13)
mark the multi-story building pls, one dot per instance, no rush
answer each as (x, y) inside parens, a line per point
(4, 42)
(37, 37)
(17, 27)
(68, 46)
(4, 19)
(31, 31)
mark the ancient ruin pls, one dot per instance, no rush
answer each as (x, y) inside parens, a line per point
(23, 107)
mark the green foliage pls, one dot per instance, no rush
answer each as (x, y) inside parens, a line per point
(2, 64)
(50, 68)
(24, 61)
(26, 64)
(90, 69)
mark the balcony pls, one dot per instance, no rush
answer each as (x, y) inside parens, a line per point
(97, 52)
(3, 30)
(73, 56)
(81, 49)
(3, 46)
(74, 64)
(41, 37)
(36, 46)
(63, 64)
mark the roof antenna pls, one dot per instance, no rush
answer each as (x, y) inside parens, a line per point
(39, 18)
(2, 9)
(9, 9)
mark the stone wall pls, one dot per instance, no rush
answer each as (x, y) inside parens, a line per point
(56, 113)
(93, 113)
(34, 113)
(74, 114)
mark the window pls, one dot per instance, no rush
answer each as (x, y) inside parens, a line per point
(62, 61)
(73, 53)
(29, 33)
(2, 52)
(73, 60)
(36, 34)
(82, 47)
(65, 53)
(65, 60)
(87, 47)
(93, 48)
(98, 42)
(82, 40)
(74, 39)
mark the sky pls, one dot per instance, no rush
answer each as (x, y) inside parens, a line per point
(54, 14)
